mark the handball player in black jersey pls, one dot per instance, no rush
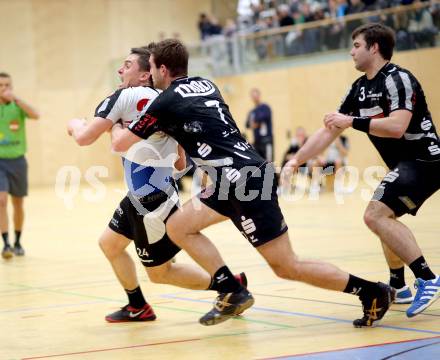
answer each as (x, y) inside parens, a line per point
(192, 110)
(389, 105)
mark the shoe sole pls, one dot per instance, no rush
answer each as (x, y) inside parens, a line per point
(403, 301)
(7, 254)
(218, 320)
(150, 318)
(423, 308)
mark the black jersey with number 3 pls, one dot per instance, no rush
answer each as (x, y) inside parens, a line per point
(193, 112)
(394, 88)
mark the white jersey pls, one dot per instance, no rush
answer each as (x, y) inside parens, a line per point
(148, 164)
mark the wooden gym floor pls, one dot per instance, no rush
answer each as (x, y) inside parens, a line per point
(53, 300)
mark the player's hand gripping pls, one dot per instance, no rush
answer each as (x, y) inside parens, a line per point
(288, 170)
(74, 124)
(337, 120)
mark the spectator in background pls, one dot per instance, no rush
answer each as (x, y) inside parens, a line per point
(296, 142)
(334, 31)
(354, 7)
(336, 155)
(204, 26)
(13, 165)
(260, 121)
(229, 30)
(421, 27)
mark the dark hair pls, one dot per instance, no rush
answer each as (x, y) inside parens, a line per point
(143, 54)
(4, 75)
(173, 54)
(379, 34)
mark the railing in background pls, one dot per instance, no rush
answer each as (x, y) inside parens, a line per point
(416, 26)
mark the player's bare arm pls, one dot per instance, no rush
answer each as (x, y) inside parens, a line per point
(86, 133)
(123, 139)
(393, 126)
(314, 146)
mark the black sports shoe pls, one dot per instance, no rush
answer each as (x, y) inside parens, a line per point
(227, 305)
(375, 307)
(18, 250)
(129, 313)
(7, 252)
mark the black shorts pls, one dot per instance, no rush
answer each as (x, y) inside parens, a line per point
(252, 206)
(405, 188)
(14, 176)
(144, 222)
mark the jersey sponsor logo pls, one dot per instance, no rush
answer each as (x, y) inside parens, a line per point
(204, 149)
(434, 149)
(195, 88)
(141, 104)
(232, 175)
(145, 122)
(391, 176)
(426, 124)
(14, 125)
(373, 96)
(248, 225)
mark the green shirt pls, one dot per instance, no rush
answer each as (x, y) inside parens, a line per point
(12, 131)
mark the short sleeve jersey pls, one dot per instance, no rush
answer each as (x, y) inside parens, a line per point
(394, 88)
(148, 165)
(192, 111)
(12, 131)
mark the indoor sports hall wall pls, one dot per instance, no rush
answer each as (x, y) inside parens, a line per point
(60, 54)
(302, 95)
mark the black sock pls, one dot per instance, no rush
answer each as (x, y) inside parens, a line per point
(17, 237)
(397, 277)
(224, 282)
(5, 236)
(136, 298)
(421, 269)
(359, 287)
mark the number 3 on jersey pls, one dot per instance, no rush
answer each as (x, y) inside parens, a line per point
(216, 103)
(362, 96)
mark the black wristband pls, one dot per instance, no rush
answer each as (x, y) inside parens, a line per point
(362, 123)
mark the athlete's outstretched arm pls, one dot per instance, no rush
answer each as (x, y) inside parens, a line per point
(123, 139)
(87, 133)
(393, 126)
(314, 145)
